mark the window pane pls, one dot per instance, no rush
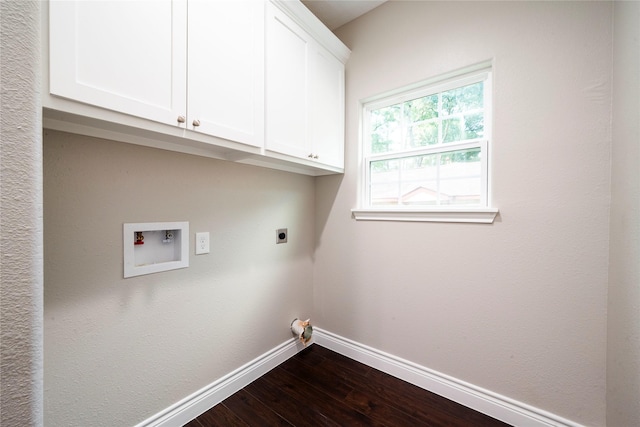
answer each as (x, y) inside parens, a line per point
(421, 134)
(460, 177)
(421, 109)
(385, 129)
(463, 99)
(451, 130)
(474, 126)
(421, 125)
(449, 178)
(384, 182)
(420, 183)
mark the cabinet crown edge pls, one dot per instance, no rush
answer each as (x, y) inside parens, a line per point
(318, 31)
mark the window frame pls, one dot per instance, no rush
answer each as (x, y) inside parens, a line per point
(483, 213)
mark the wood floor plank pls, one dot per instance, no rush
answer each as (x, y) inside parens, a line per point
(325, 380)
(412, 400)
(386, 413)
(287, 406)
(426, 405)
(310, 356)
(341, 361)
(252, 411)
(318, 401)
(220, 416)
(318, 387)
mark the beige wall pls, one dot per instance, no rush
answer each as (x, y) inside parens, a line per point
(120, 350)
(623, 357)
(518, 307)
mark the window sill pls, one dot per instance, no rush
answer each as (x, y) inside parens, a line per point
(469, 215)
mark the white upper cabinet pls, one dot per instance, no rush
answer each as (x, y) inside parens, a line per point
(305, 94)
(226, 69)
(253, 81)
(168, 61)
(123, 56)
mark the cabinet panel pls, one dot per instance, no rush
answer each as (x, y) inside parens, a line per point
(287, 79)
(225, 69)
(123, 56)
(326, 122)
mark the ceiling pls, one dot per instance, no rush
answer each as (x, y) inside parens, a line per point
(335, 13)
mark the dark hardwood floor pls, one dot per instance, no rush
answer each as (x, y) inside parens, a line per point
(318, 387)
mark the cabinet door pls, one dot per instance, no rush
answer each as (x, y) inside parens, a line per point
(286, 88)
(126, 56)
(326, 118)
(226, 69)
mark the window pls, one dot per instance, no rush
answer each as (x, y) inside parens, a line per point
(425, 150)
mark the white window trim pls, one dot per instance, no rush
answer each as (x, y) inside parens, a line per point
(470, 215)
(455, 214)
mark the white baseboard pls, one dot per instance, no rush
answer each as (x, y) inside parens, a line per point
(204, 399)
(484, 401)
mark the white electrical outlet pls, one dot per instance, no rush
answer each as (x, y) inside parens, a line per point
(202, 243)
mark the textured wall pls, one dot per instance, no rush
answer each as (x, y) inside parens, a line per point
(120, 350)
(20, 216)
(518, 307)
(623, 357)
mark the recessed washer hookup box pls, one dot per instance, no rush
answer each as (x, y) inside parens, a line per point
(152, 247)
